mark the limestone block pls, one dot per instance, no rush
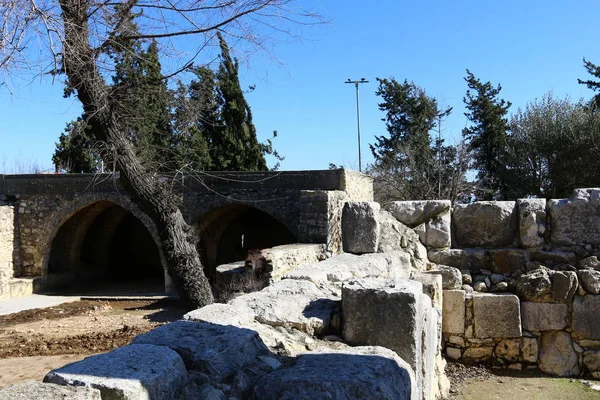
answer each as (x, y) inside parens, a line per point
(529, 350)
(553, 257)
(509, 349)
(589, 280)
(534, 285)
(453, 353)
(292, 303)
(396, 315)
(564, 286)
(532, 222)
(215, 350)
(135, 372)
(435, 233)
(586, 311)
(394, 264)
(281, 260)
(588, 263)
(47, 391)
(432, 286)
(397, 236)
(413, 213)
(222, 314)
(451, 277)
(485, 224)
(468, 259)
(557, 354)
(544, 316)
(591, 359)
(360, 372)
(496, 316)
(478, 353)
(508, 260)
(575, 220)
(360, 227)
(453, 316)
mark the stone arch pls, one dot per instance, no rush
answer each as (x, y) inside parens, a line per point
(89, 236)
(228, 232)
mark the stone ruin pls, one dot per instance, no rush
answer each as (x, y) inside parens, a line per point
(512, 284)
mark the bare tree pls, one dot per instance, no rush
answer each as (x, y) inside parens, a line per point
(73, 38)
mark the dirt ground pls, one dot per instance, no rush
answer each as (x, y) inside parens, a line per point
(479, 383)
(33, 342)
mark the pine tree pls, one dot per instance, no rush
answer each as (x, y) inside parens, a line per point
(593, 70)
(487, 137)
(75, 150)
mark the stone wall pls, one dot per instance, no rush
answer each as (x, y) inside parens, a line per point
(6, 249)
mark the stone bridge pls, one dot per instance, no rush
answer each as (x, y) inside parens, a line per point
(59, 229)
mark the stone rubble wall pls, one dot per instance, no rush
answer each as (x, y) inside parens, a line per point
(521, 280)
(6, 249)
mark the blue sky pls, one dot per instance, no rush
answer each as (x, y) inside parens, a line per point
(530, 47)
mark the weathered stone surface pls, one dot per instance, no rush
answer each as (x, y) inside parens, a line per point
(564, 286)
(591, 359)
(534, 285)
(281, 260)
(394, 264)
(485, 224)
(588, 263)
(478, 353)
(508, 260)
(396, 236)
(468, 259)
(222, 314)
(480, 286)
(360, 227)
(553, 257)
(292, 303)
(532, 222)
(451, 277)
(30, 390)
(396, 315)
(589, 280)
(557, 355)
(134, 372)
(435, 233)
(357, 373)
(575, 220)
(544, 316)
(586, 310)
(413, 213)
(216, 350)
(529, 350)
(453, 353)
(453, 317)
(496, 316)
(509, 349)
(432, 286)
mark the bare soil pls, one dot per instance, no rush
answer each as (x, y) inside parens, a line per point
(33, 342)
(476, 382)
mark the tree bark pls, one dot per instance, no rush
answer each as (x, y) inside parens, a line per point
(153, 197)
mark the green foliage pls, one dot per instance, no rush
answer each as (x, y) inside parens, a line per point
(551, 147)
(205, 125)
(487, 137)
(408, 164)
(593, 70)
(76, 150)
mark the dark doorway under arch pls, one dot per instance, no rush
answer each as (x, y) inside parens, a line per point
(107, 246)
(230, 232)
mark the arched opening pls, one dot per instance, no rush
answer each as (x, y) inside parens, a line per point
(105, 248)
(229, 232)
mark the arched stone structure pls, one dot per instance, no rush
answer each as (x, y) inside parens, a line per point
(228, 232)
(103, 239)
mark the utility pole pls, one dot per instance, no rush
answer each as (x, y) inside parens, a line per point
(356, 83)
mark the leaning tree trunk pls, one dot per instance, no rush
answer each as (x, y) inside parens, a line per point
(152, 196)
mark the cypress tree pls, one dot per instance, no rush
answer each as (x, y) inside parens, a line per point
(487, 136)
